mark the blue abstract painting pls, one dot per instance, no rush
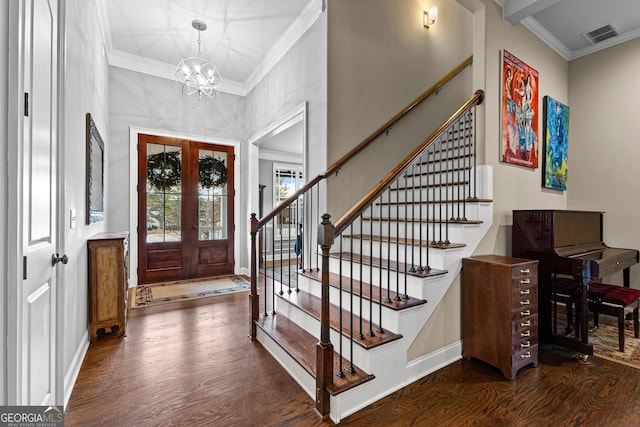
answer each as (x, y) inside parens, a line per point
(556, 128)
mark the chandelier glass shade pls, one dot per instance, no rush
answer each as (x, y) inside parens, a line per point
(196, 75)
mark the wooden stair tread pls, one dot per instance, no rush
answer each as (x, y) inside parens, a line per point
(387, 264)
(402, 240)
(311, 305)
(438, 185)
(301, 346)
(429, 202)
(431, 172)
(427, 221)
(367, 291)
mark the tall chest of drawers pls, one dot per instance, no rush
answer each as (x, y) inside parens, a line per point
(500, 311)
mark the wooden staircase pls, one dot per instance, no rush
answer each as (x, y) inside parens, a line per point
(343, 322)
(405, 303)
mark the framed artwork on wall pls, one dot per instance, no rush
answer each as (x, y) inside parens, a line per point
(519, 112)
(556, 131)
(95, 173)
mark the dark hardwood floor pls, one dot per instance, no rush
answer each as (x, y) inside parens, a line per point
(195, 366)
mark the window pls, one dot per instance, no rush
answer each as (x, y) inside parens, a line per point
(287, 179)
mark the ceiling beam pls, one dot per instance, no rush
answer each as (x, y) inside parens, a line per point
(515, 11)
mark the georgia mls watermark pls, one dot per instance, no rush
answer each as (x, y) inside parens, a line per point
(31, 416)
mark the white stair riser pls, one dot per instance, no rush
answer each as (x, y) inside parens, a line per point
(416, 255)
(414, 231)
(442, 212)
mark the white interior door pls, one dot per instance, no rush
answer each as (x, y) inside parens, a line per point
(36, 334)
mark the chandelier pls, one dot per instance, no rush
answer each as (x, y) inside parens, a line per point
(196, 75)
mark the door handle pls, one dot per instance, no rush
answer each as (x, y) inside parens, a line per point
(56, 258)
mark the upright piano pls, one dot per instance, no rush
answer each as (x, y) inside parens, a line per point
(568, 243)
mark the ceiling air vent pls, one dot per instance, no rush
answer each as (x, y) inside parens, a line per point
(601, 34)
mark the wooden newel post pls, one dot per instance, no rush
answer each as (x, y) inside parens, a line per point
(254, 299)
(324, 349)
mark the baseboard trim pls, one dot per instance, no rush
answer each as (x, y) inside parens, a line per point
(74, 369)
(429, 363)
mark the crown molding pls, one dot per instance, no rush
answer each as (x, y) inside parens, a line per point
(151, 67)
(280, 156)
(630, 35)
(296, 30)
(544, 35)
(163, 70)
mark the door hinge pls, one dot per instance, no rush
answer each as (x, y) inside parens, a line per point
(26, 104)
(24, 267)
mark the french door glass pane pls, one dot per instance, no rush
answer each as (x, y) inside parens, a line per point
(212, 195)
(164, 193)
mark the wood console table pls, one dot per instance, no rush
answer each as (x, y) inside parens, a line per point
(108, 283)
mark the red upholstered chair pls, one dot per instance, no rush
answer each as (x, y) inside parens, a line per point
(613, 300)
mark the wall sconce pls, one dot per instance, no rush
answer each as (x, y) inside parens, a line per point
(430, 17)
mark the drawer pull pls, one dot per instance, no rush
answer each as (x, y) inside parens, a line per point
(525, 271)
(525, 281)
(525, 292)
(525, 313)
(525, 334)
(526, 355)
(525, 302)
(527, 323)
(525, 344)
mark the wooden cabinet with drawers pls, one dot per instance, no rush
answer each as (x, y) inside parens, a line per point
(500, 311)
(108, 284)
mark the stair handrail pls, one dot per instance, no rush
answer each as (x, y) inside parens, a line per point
(354, 212)
(362, 145)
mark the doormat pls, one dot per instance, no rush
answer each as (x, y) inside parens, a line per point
(162, 293)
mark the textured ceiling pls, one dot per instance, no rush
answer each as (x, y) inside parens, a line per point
(243, 36)
(238, 38)
(562, 23)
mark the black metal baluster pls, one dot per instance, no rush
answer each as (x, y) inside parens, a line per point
(370, 332)
(317, 216)
(397, 298)
(340, 372)
(274, 222)
(360, 335)
(419, 221)
(289, 249)
(281, 220)
(406, 235)
(413, 216)
(379, 330)
(432, 176)
(474, 168)
(446, 195)
(460, 157)
(351, 369)
(426, 219)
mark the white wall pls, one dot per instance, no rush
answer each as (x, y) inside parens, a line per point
(299, 77)
(86, 91)
(380, 59)
(604, 125)
(157, 106)
(515, 187)
(4, 61)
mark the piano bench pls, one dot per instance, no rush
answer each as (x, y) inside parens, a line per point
(613, 300)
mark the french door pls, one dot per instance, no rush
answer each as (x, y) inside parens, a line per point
(185, 209)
